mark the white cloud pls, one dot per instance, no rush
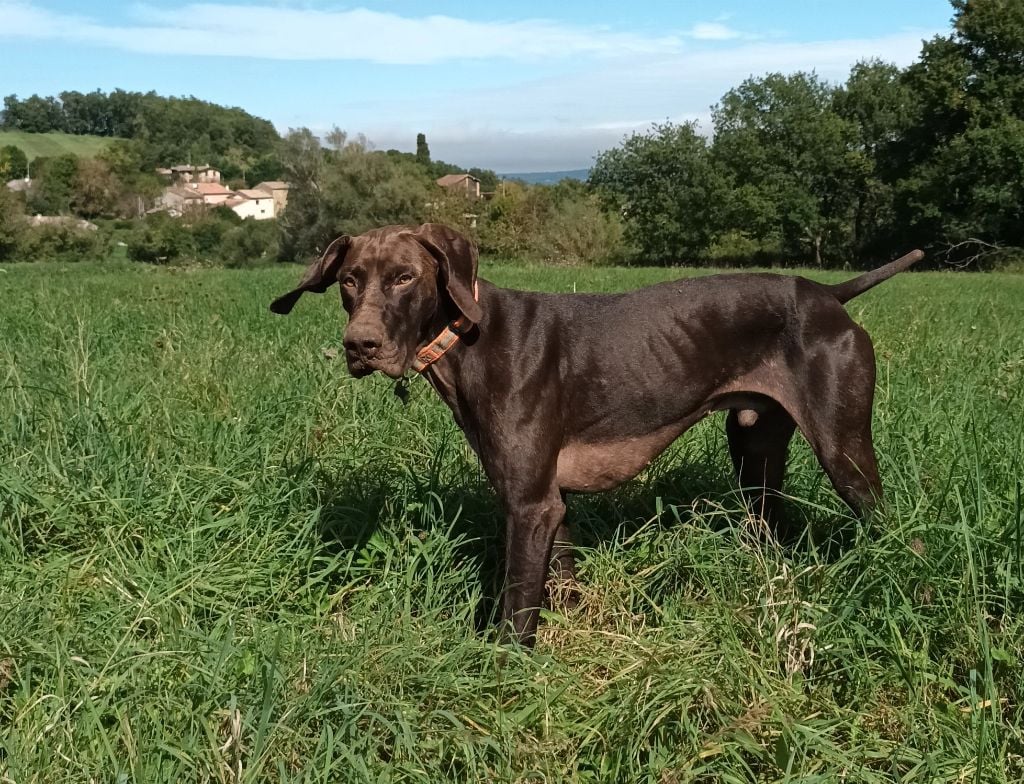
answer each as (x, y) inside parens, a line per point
(617, 83)
(714, 31)
(562, 122)
(284, 33)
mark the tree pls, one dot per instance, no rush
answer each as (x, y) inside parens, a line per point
(35, 114)
(97, 191)
(55, 179)
(13, 163)
(876, 100)
(422, 150)
(668, 189)
(363, 189)
(303, 161)
(488, 179)
(10, 113)
(139, 184)
(793, 164)
(990, 36)
(956, 173)
(512, 221)
(158, 239)
(266, 167)
(12, 223)
(345, 190)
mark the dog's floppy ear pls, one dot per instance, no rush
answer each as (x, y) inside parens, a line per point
(320, 275)
(456, 262)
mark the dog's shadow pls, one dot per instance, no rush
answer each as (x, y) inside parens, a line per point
(355, 501)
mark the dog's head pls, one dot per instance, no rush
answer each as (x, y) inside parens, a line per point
(399, 286)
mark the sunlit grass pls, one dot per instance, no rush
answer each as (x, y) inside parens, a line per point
(221, 559)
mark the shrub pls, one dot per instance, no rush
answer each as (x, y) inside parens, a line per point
(564, 224)
(251, 243)
(12, 224)
(60, 242)
(580, 232)
(158, 239)
(207, 229)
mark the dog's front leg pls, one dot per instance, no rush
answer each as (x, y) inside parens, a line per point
(530, 537)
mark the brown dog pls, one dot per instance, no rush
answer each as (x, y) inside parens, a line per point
(566, 393)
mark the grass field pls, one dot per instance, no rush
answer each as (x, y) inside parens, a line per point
(43, 145)
(221, 559)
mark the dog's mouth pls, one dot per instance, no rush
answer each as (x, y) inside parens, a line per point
(387, 361)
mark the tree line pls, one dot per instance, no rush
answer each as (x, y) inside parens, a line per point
(159, 129)
(800, 170)
(796, 170)
(346, 187)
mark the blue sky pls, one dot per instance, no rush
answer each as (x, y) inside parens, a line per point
(524, 86)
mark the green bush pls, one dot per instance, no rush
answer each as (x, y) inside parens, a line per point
(207, 229)
(13, 163)
(65, 241)
(564, 224)
(250, 243)
(158, 239)
(215, 236)
(580, 232)
(60, 242)
(12, 224)
(737, 248)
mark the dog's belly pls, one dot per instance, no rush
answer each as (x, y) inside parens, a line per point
(591, 468)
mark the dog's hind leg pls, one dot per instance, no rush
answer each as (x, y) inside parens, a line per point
(759, 445)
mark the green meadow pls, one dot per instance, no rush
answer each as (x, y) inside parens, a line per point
(46, 145)
(224, 560)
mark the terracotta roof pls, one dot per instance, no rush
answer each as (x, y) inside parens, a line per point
(185, 193)
(454, 179)
(210, 188)
(252, 193)
(273, 185)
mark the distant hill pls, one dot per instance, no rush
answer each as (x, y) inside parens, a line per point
(44, 145)
(547, 178)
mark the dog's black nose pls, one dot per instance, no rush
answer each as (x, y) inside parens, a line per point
(362, 342)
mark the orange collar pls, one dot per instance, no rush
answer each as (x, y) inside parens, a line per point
(443, 343)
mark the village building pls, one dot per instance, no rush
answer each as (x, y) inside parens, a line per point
(252, 203)
(187, 173)
(277, 189)
(213, 193)
(465, 184)
(200, 186)
(177, 200)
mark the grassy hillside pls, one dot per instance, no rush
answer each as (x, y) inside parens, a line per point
(42, 145)
(223, 559)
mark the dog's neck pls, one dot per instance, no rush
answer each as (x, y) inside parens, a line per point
(446, 374)
(447, 332)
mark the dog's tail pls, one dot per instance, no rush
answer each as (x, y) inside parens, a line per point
(846, 291)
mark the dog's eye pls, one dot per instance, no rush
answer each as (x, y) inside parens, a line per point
(403, 279)
(349, 282)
